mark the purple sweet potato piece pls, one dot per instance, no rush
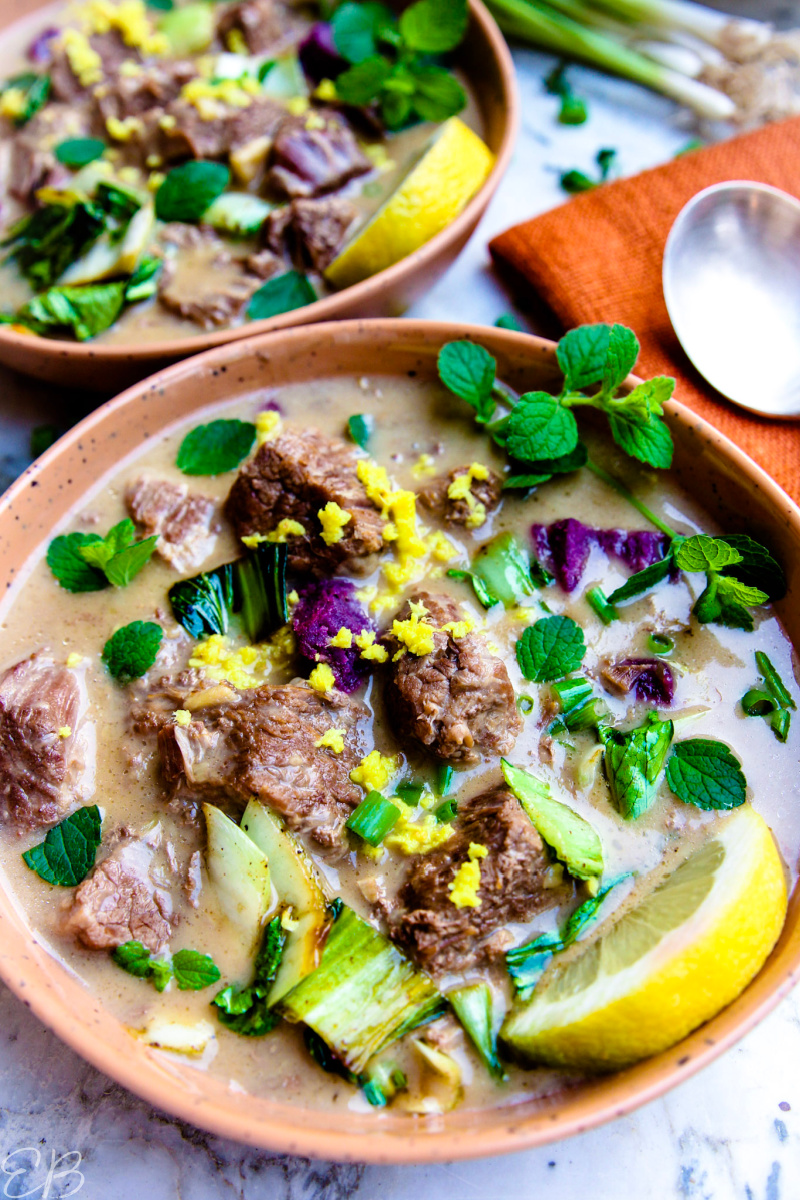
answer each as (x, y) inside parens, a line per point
(648, 678)
(637, 548)
(40, 50)
(564, 548)
(323, 609)
(318, 55)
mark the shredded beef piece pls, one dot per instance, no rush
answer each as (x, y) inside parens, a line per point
(132, 95)
(310, 162)
(277, 228)
(181, 519)
(263, 24)
(458, 701)
(43, 776)
(119, 902)
(264, 264)
(262, 742)
(193, 137)
(320, 228)
(294, 476)
(442, 937)
(487, 492)
(64, 84)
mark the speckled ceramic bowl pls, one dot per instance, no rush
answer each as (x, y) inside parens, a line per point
(486, 61)
(719, 475)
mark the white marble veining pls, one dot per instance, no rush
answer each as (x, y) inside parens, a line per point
(731, 1133)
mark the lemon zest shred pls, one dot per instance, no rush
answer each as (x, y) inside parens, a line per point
(342, 640)
(65, 731)
(332, 739)
(417, 833)
(182, 716)
(322, 679)
(467, 879)
(268, 426)
(375, 771)
(74, 659)
(333, 519)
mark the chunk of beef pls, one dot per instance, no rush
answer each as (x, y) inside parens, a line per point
(458, 511)
(182, 520)
(65, 85)
(131, 95)
(33, 163)
(207, 284)
(47, 746)
(119, 902)
(294, 476)
(320, 228)
(263, 25)
(309, 161)
(514, 886)
(457, 701)
(190, 135)
(277, 227)
(264, 264)
(263, 742)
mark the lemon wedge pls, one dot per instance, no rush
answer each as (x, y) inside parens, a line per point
(665, 966)
(450, 172)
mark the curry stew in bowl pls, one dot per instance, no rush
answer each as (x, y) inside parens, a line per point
(379, 742)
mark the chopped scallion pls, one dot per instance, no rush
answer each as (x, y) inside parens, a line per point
(374, 818)
(659, 643)
(597, 600)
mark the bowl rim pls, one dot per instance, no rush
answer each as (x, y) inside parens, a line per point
(288, 1130)
(324, 309)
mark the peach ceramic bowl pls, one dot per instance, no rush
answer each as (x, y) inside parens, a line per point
(485, 59)
(721, 477)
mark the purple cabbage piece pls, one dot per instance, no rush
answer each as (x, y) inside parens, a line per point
(272, 406)
(40, 50)
(649, 679)
(318, 55)
(323, 609)
(564, 548)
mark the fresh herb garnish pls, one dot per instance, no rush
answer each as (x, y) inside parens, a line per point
(67, 854)
(599, 602)
(575, 182)
(390, 59)
(539, 430)
(245, 1010)
(215, 448)
(132, 650)
(705, 773)
(360, 427)
(254, 585)
(726, 600)
(87, 562)
(30, 92)
(550, 649)
(509, 321)
(374, 817)
(573, 109)
(282, 293)
(773, 701)
(191, 970)
(473, 1007)
(83, 309)
(79, 152)
(634, 761)
(526, 964)
(574, 841)
(190, 189)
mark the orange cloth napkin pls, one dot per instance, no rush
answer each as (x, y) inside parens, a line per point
(598, 258)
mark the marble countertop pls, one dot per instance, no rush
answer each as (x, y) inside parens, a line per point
(730, 1133)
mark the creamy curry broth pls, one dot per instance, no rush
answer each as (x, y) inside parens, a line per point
(715, 665)
(394, 155)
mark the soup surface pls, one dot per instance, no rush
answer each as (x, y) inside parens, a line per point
(190, 169)
(398, 705)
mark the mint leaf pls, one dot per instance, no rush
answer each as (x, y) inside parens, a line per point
(127, 564)
(434, 26)
(581, 354)
(79, 152)
(509, 321)
(705, 773)
(633, 763)
(643, 581)
(647, 398)
(356, 27)
(539, 427)
(726, 601)
(132, 650)
(756, 567)
(574, 841)
(71, 570)
(468, 370)
(573, 108)
(67, 854)
(360, 427)
(363, 83)
(133, 957)
(189, 189)
(215, 448)
(649, 440)
(621, 356)
(437, 94)
(703, 553)
(193, 970)
(550, 649)
(99, 553)
(282, 293)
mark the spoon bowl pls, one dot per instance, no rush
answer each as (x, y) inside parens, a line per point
(731, 280)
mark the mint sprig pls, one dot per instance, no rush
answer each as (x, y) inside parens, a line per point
(191, 970)
(725, 600)
(705, 773)
(88, 562)
(67, 854)
(190, 189)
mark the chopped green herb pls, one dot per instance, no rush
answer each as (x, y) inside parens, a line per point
(215, 448)
(191, 970)
(132, 650)
(776, 702)
(79, 152)
(443, 781)
(525, 704)
(374, 817)
(360, 427)
(599, 602)
(573, 108)
(574, 841)
(409, 792)
(67, 854)
(659, 643)
(190, 189)
(473, 1007)
(282, 293)
(634, 761)
(550, 649)
(705, 773)
(575, 182)
(580, 708)
(446, 813)
(245, 1010)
